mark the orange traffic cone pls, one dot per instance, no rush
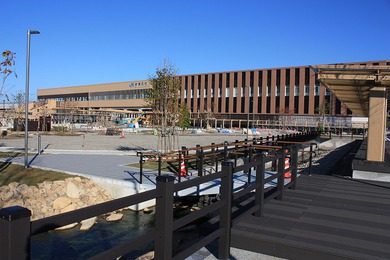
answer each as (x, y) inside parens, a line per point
(286, 166)
(183, 172)
(123, 135)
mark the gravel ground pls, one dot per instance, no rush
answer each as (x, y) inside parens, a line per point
(131, 142)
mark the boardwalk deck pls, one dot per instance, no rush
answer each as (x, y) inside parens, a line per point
(325, 217)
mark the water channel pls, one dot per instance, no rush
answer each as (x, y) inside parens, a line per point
(76, 244)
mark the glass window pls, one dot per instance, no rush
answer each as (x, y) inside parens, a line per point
(287, 88)
(307, 90)
(296, 90)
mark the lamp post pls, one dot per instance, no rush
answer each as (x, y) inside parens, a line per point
(29, 32)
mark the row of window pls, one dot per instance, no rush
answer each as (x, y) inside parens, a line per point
(259, 94)
(107, 95)
(116, 95)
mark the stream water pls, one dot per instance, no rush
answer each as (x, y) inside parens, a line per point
(76, 244)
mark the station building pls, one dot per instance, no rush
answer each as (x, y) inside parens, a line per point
(292, 96)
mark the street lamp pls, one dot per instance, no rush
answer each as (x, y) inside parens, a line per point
(29, 32)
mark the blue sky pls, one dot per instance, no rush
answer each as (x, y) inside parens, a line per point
(93, 41)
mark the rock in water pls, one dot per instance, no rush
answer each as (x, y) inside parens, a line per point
(86, 224)
(114, 217)
(147, 210)
(67, 226)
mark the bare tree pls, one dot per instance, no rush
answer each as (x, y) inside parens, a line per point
(6, 68)
(163, 99)
(322, 110)
(17, 109)
(70, 111)
(285, 116)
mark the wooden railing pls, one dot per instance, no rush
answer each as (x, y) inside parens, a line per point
(16, 227)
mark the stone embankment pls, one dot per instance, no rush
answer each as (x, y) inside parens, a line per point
(54, 197)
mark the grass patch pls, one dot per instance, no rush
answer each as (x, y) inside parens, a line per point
(167, 166)
(32, 176)
(152, 165)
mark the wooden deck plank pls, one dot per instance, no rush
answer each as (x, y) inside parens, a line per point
(325, 216)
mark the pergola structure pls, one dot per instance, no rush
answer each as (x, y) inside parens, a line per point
(363, 89)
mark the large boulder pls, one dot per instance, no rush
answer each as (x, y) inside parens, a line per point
(72, 191)
(61, 202)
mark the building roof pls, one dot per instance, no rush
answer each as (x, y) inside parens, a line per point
(352, 83)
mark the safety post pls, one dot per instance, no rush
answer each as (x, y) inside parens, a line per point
(39, 144)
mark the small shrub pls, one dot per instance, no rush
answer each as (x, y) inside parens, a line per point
(60, 129)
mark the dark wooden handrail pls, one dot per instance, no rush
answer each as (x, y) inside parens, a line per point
(16, 227)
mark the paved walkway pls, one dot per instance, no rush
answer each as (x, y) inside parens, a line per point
(101, 165)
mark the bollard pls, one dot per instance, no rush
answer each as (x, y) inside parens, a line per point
(15, 233)
(39, 144)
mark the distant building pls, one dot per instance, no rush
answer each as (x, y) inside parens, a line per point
(291, 95)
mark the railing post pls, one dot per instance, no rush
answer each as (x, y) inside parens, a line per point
(141, 161)
(213, 155)
(164, 217)
(179, 166)
(310, 158)
(184, 153)
(198, 158)
(259, 195)
(159, 164)
(200, 162)
(294, 165)
(280, 185)
(225, 146)
(235, 154)
(226, 210)
(250, 159)
(15, 233)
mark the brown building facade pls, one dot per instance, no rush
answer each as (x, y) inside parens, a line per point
(260, 94)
